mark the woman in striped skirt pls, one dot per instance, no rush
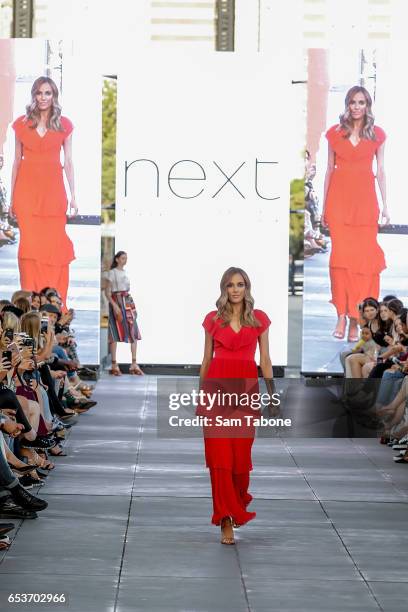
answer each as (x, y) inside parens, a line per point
(122, 313)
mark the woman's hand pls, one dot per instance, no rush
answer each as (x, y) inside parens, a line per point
(118, 312)
(5, 365)
(73, 208)
(12, 428)
(385, 216)
(15, 359)
(9, 412)
(26, 364)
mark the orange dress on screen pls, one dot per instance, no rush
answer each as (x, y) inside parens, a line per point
(352, 214)
(229, 458)
(40, 205)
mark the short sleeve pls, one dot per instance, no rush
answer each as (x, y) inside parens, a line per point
(380, 135)
(18, 125)
(331, 134)
(67, 126)
(209, 323)
(263, 319)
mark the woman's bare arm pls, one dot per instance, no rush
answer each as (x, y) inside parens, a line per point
(69, 173)
(18, 154)
(264, 357)
(208, 354)
(385, 216)
(327, 179)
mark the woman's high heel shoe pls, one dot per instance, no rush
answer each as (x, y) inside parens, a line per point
(340, 330)
(115, 369)
(353, 333)
(228, 540)
(134, 369)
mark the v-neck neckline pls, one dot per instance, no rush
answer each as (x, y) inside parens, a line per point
(354, 145)
(39, 135)
(235, 332)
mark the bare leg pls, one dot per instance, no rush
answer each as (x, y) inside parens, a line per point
(134, 368)
(115, 370)
(113, 347)
(398, 399)
(353, 330)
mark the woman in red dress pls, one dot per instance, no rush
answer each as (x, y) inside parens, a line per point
(232, 333)
(39, 199)
(351, 209)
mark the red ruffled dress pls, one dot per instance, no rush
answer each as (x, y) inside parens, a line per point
(40, 205)
(352, 214)
(229, 458)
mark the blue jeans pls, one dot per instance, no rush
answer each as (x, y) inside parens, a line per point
(7, 478)
(389, 387)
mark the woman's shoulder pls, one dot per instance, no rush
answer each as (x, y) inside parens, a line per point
(263, 319)
(333, 132)
(108, 274)
(380, 135)
(260, 314)
(66, 124)
(19, 123)
(209, 321)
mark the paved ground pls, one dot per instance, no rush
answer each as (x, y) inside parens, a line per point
(127, 526)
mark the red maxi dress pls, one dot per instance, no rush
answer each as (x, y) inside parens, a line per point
(352, 214)
(40, 205)
(229, 458)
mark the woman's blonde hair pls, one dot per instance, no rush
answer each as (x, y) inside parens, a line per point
(23, 304)
(31, 325)
(224, 307)
(32, 112)
(346, 121)
(10, 321)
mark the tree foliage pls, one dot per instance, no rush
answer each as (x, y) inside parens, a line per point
(297, 202)
(109, 98)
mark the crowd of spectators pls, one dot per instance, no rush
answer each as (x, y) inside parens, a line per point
(41, 396)
(376, 370)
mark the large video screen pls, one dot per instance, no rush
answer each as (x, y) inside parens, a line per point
(357, 252)
(48, 245)
(203, 175)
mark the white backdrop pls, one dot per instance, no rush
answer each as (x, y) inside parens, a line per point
(223, 108)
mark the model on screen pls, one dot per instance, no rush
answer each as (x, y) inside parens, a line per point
(122, 313)
(232, 333)
(38, 196)
(351, 209)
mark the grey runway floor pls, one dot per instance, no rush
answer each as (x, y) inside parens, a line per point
(128, 523)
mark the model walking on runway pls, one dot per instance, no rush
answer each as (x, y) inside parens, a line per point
(232, 333)
(122, 313)
(351, 209)
(38, 196)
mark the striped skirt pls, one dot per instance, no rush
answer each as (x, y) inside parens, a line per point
(127, 329)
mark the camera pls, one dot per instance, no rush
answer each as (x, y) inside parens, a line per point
(44, 326)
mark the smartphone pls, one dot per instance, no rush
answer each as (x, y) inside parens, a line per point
(9, 334)
(7, 355)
